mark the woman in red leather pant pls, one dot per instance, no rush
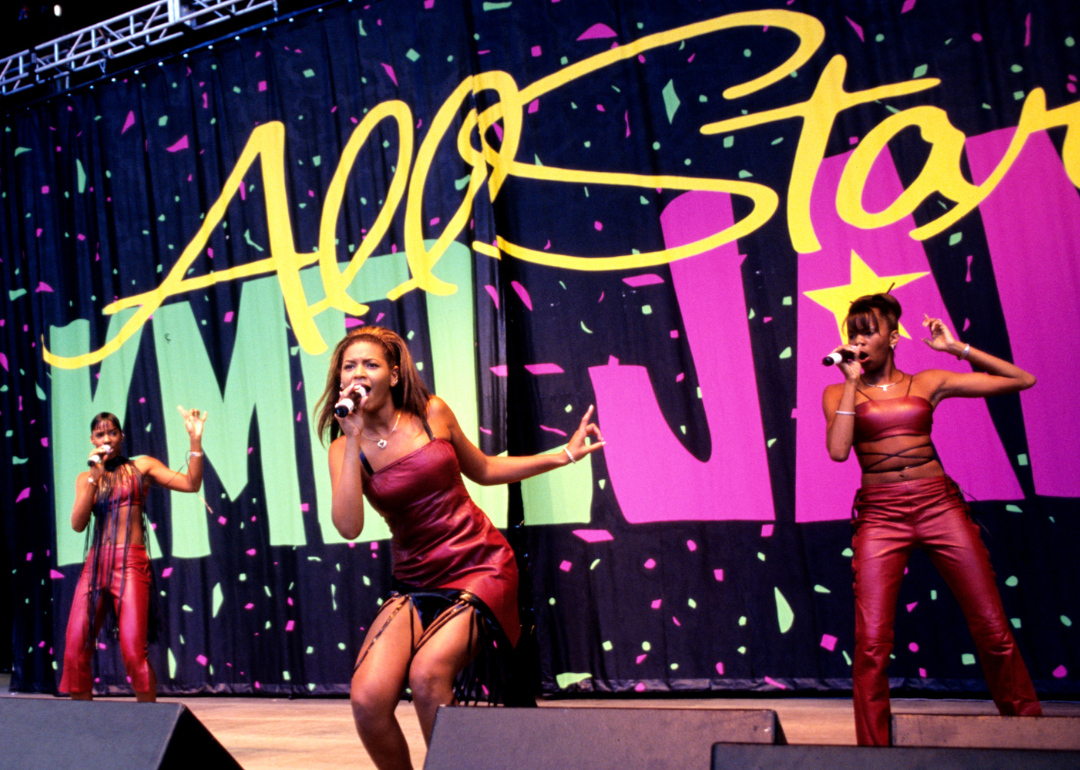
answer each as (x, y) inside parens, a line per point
(906, 501)
(113, 494)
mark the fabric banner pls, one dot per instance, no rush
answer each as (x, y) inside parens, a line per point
(661, 209)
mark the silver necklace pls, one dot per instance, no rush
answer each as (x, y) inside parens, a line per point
(886, 386)
(381, 442)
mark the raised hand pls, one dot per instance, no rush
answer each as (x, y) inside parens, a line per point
(941, 338)
(193, 421)
(577, 446)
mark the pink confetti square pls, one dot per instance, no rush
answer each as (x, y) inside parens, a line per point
(594, 535)
(720, 669)
(828, 641)
(766, 530)
(656, 603)
(914, 647)
(691, 546)
(718, 574)
(290, 625)
(203, 660)
(262, 85)
(565, 566)
(650, 563)
(535, 50)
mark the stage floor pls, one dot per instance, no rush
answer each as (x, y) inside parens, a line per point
(278, 734)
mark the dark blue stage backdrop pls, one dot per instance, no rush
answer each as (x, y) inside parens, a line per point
(662, 209)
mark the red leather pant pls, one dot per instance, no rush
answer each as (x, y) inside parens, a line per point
(929, 514)
(132, 610)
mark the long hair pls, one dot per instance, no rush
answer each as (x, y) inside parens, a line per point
(409, 394)
(861, 319)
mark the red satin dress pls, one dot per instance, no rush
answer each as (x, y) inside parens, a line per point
(890, 521)
(440, 539)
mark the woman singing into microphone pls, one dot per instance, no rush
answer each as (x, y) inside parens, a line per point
(906, 501)
(112, 494)
(452, 613)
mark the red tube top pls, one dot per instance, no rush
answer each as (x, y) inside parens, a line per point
(888, 417)
(439, 537)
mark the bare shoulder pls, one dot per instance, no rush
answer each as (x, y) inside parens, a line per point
(441, 419)
(438, 409)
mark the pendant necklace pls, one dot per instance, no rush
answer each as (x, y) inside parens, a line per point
(886, 386)
(381, 442)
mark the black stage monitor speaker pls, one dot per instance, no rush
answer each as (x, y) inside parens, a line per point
(736, 757)
(549, 738)
(986, 731)
(46, 734)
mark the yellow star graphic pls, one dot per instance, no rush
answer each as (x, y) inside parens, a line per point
(864, 280)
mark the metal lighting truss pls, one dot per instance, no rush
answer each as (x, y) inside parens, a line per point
(133, 31)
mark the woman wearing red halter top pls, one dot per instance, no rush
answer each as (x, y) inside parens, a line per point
(452, 613)
(112, 494)
(906, 501)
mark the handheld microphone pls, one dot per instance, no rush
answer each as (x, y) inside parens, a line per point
(104, 450)
(837, 357)
(349, 401)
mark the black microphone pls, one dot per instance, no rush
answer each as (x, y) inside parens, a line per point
(837, 357)
(349, 401)
(104, 449)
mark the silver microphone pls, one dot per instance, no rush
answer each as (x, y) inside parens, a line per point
(837, 357)
(104, 449)
(349, 401)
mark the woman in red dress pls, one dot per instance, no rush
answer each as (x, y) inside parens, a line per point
(906, 501)
(453, 610)
(113, 494)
